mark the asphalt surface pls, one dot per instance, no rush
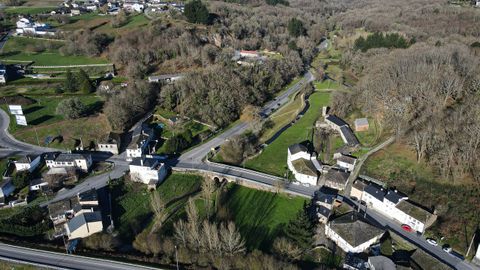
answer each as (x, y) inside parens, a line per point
(62, 261)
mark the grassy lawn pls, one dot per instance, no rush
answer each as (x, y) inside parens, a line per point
(23, 49)
(103, 23)
(273, 159)
(25, 10)
(285, 115)
(260, 215)
(43, 111)
(326, 85)
(131, 201)
(455, 200)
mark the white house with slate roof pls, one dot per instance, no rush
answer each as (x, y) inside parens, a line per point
(69, 160)
(343, 128)
(352, 233)
(148, 171)
(84, 225)
(304, 166)
(28, 163)
(346, 162)
(396, 206)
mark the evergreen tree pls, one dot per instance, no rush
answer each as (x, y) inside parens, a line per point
(295, 27)
(84, 83)
(70, 83)
(300, 229)
(196, 12)
(21, 179)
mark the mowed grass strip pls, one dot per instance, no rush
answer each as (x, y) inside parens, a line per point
(131, 201)
(21, 49)
(26, 10)
(260, 215)
(284, 116)
(273, 159)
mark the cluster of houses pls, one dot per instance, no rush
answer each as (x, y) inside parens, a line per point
(76, 7)
(248, 58)
(28, 27)
(77, 217)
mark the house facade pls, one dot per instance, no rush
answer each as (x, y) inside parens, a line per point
(347, 162)
(84, 225)
(336, 179)
(361, 124)
(352, 233)
(148, 171)
(304, 166)
(110, 144)
(396, 206)
(6, 188)
(70, 160)
(140, 144)
(3, 74)
(28, 163)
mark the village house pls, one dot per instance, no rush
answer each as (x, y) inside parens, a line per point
(343, 129)
(27, 26)
(356, 191)
(140, 145)
(381, 263)
(6, 188)
(133, 6)
(110, 143)
(37, 184)
(325, 199)
(361, 124)
(64, 160)
(352, 233)
(148, 171)
(28, 163)
(3, 74)
(84, 225)
(336, 179)
(346, 162)
(396, 206)
(304, 166)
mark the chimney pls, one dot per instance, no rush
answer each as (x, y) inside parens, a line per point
(141, 161)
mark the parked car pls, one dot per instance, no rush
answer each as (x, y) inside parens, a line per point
(447, 248)
(432, 242)
(407, 228)
(353, 198)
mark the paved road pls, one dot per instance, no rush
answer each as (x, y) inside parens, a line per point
(198, 153)
(413, 238)
(62, 261)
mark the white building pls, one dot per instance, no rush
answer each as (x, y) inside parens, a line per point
(352, 233)
(141, 143)
(148, 171)
(69, 160)
(166, 78)
(26, 26)
(396, 206)
(347, 162)
(3, 74)
(28, 163)
(37, 184)
(304, 166)
(6, 188)
(476, 259)
(110, 144)
(83, 225)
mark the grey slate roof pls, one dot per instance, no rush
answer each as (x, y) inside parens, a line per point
(354, 229)
(82, 219)
(336, 120)
(70, 157)
(348, 159)
(336, 176)
(381, 263)
(296, 148)
(376, 191)
(147, 162)
(361, 122)
(89, 195)
(394, 196)
(51, 156)
(27, 159)
(349, 136)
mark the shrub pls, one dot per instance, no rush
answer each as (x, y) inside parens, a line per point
(196, 12)
(71, 108)
(296, 28)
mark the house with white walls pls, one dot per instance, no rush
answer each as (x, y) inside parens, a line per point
(352, 233)
(81, 162)
(148, 171)
(303, 164)
(28, 163)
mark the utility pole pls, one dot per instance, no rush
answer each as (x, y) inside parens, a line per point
(176, 256)
(470, 246)
(36, 135)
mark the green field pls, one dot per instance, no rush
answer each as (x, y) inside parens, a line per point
(42, 53)
(28, 10)
(326, 85)
(273, 159)
(131, 201)
(285, 115)
(103, 23)
(260, 215)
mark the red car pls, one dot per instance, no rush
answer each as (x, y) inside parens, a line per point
(407, 228)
